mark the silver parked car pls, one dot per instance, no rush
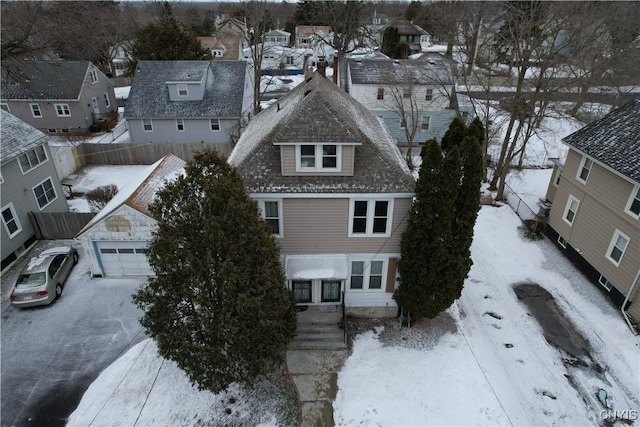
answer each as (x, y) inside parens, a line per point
(41, 281)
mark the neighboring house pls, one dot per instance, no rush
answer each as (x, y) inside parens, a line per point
(189, 101)
(115, 239)
(278, 37)
(57, 97)
(120, 58)
(318, 38)
(223, 46)
(28, 183)
(416, 37)
(235, 27)
(595, 211)
(402, 92)
(276, 57)
(335, 190)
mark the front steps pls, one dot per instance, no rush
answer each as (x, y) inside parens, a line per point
(319, 329)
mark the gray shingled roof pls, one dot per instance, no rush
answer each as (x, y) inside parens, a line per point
(224, 91)
(41, 80)
(17, 137)
(319, 111)
(613, 140)
(405, 27)
(428, 69)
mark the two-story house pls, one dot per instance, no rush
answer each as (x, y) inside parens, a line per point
(189, 101)
(595, 196)
(335, 190)
(57, 97)
(318, 38)
(278, 37)
(411, 96)
(415, 36)
(223, 46)
(28, 183)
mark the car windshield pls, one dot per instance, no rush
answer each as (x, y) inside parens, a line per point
(31, 280)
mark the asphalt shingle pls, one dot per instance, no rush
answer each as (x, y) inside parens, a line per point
(17, 137)
(429, 69)
(43, 79)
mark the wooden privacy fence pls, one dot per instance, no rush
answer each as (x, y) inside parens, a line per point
(142, 154)
(59, 225)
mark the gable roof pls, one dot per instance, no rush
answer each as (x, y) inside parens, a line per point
(309, 30)
(278, 33)
(223, 94)
(613, 140)
(318, 111)
(140, 192)
(405, 27)
(17, 137)
(43, 80)
(428, 69)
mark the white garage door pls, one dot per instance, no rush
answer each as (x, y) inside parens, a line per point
(124, 258)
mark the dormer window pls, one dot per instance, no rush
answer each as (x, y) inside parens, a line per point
(318, 157)
(183, 90)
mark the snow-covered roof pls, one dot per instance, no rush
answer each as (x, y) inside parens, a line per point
(310, 267)
(318, 111)
(429, 69)
(613, 140)
(278, 33)
(223, 94)
(46, 80)
(142, 189)
(17, 137)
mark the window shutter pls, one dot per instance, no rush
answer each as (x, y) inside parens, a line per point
(391, 275)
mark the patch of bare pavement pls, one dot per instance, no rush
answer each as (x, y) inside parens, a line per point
(559, 331)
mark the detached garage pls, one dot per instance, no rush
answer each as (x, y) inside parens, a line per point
(115, 240)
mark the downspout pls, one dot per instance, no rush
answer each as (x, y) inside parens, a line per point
(626, 299)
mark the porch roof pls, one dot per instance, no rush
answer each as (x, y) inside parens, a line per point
(310, 267)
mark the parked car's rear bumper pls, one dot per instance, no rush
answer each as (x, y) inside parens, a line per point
(33, 302)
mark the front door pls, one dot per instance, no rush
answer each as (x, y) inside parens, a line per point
(302, 291)
(96, 107)
(330, 291)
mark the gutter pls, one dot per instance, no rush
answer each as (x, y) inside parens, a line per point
(626, 299)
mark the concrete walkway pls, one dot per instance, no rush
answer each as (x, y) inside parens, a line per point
(314, 359)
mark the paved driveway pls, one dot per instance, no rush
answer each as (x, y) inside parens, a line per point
(50, 355)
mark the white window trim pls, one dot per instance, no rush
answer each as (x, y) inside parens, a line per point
(566, 209)
(66, 111)
(280, 218)
(93, 75)
(562, 241)
(428, 123)
(5, 107)
(211, 125)
(582, 163)
(150, 123)
(370, 217)
(46, 157)
(605, 283)
(318, 159)
(15, 219)
(617, 234)
(635, 191)
(182, 87)
(178, 123)
(36, 197)
(33, 113)
(107, 101)
(366, 280)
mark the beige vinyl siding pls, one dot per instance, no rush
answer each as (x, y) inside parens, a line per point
(551, 189)
(601, 211)
(321, 226)
(288, 156)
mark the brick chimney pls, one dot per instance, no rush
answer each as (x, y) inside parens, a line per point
(322, 66)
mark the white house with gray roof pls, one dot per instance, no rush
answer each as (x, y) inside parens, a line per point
(595, 205)
(57, 97)
(189, 101)
(28, 183)
(334, 188)
(406, 93)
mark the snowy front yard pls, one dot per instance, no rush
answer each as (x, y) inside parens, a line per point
(467, 367)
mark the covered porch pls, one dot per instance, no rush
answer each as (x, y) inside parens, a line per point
(317, 279)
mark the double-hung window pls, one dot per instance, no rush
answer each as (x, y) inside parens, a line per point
(183, 90)
(107, 101)
(272, 214)
(215, 125)
(32, 158)
(429, 95)
(93, 74)
(35, 110)
(366, 275)
(370, 218)
(44, 193)
(584, 170)
(318, 157)
(10, 220)
(147, 125)
(570, 210)
(406, 93)
(618, 245)
(633, 205)
(62, 110)
(425, 123)
(180, 125)
(380, 93)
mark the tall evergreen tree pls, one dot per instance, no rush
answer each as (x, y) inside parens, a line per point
(453, 135)
(217, 306)
(390, 40)
(166, 40)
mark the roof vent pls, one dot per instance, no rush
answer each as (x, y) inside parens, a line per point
(278, 107)
(307, 92)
